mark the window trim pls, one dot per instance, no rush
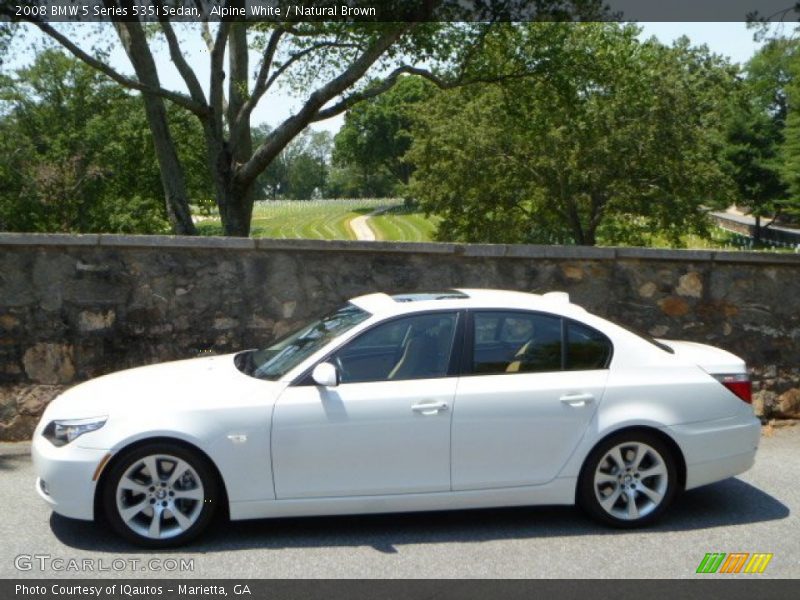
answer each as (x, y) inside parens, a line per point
(467, 366)
(453, 367)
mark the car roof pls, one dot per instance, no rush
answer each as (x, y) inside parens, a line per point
(383, 305)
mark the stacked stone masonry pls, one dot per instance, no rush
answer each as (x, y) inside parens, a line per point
(75, 307)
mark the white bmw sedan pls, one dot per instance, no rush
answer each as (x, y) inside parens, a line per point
(429, 401)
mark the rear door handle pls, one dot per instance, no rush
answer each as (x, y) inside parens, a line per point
(577, 400)
(430, 408)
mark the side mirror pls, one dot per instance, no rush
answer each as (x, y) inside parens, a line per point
(325, 374)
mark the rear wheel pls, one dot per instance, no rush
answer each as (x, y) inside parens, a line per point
(629, 480)
(160, 495)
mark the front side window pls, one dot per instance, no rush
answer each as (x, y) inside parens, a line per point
(413, 347)
(283, 356)
(516, 342)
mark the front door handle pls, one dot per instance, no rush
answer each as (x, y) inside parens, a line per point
(430, 408)
(577, 400)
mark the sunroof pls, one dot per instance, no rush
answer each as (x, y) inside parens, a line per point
(420, 296)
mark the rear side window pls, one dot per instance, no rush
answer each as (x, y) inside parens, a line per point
(587, 348)
(516, 342)
(521, 342)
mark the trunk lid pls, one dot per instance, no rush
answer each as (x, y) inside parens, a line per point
(714, 361)
(727, 368)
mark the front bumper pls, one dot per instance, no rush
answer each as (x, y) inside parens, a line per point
(716, 450)
(64, 476)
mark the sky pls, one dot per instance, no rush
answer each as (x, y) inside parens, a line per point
(733, 40)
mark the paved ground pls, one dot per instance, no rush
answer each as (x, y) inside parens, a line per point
(744, 219)
(757, 512)
(361, 228)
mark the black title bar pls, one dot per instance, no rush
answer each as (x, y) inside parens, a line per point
(377, 11)
(325, 589)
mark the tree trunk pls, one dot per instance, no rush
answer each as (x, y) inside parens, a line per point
(234, 199)
(579, 233)
(236, 209)
(172, 178)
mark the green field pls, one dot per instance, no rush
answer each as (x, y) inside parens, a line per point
(328, 220)
(718, 239)
(313, 219)
(402, 224)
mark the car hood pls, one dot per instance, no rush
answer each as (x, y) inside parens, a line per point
(712, 360)
(209, 382)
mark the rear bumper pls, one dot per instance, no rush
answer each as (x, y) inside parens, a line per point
(64, 477)
(716, 450)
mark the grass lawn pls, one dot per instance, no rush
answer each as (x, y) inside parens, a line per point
(401, 224)
(719, 239)
(311, 219)
(328, 220)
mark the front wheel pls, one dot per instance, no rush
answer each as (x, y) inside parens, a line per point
(160, 495)
(629, 480)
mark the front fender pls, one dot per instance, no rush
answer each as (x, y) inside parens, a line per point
(237, 442)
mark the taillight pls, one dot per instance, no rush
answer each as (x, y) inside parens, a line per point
(739, 384)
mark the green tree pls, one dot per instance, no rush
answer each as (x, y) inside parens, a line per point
(753, 143)
(77, 155)
(274, 180)
(769, 73)
(326, 63)
(755, 131)
(307, 159)
(790, 148)
(376, 135)
(6, 34)
(301, 170)
(622, 141)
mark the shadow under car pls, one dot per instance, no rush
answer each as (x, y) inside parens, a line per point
(730, 502)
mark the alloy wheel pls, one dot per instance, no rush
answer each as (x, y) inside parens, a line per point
(160, 496)
(631, 480)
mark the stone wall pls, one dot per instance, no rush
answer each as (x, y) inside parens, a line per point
(74, 307)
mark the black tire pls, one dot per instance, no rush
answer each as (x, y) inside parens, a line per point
(639, 484)
(193, 497)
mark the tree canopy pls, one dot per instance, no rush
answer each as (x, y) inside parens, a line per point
(623, 139)
(301, 170)
(788, 89)
(512, 132)
(331, 67)
(755, 131)
(376, 136)
(76, 155)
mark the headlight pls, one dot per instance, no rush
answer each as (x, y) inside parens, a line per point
(63, 431)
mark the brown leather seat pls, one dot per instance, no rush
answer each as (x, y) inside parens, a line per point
(515, 365)
(413, 361)
(424, 350)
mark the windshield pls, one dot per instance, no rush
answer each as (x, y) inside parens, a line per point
(284, 355)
